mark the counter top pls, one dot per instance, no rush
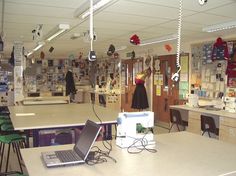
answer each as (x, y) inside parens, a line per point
(221, 113)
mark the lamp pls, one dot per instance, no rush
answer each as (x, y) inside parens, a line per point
(159, 40)
(40, 45)
(121, 48)
(84, 7)
(220, 26)
(84, 10)
(59, 29)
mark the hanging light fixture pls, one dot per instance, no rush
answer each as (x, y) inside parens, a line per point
(58, 30)
(220, 27)
(159, 40)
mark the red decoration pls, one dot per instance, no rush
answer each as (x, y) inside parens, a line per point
(80, 55)
(134, 39)
(42, 55)
(168, 47)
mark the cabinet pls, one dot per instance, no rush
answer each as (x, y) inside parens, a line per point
(227, 130)
(194, 122)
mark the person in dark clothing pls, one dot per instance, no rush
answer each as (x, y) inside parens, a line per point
(70, 85)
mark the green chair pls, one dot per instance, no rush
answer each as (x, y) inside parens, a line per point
(11, 139)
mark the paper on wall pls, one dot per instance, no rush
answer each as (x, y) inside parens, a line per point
(156, 82)
(158, 90)
(213, 79)
(184, 77)
(160, 78)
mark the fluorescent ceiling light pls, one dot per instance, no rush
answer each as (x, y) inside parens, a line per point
(84, 7)
(121, 48)
(39, 46)
(25, 114)
(96, 7)
(31, 52)
(59, 29)
(159, 40)
(220, 26)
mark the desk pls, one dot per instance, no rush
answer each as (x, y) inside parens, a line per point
(40, 117)
(227, 121)
(180, 154)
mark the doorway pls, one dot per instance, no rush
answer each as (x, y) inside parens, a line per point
(165, 91)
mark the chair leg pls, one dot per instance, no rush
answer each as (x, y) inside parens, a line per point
(0, 149)
(203, 132)
(209, 134)
(2, 154)
(8, 155)
(18, 156)
(171, 127)
(178, 127)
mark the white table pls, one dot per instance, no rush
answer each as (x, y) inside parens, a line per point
(58, 116)
(179, 154)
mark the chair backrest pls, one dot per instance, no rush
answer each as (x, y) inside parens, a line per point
(208, 123)
(175, 116)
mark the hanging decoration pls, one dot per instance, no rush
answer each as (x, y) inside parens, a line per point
(42, 55)
(134, 39)
(168, 47)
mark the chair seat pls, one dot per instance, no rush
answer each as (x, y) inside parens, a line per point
(208, 125)
(7, 127)
(175, 118)
(7, 139)
(4, 120)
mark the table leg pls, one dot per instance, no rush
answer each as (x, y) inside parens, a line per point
(108, 132)
(35, 138)
(27, 133)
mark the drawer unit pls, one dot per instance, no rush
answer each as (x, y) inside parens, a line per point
(227, 129)
(194, 123)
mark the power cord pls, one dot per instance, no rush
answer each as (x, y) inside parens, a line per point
(97, 156)
(175, 77)
(106, 144)
(138, 149)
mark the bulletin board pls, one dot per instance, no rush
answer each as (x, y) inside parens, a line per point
(184, 76)
(209, 78)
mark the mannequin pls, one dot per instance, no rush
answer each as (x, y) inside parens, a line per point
(139, 100)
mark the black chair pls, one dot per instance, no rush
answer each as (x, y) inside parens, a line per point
(176, 119)
(208, 125)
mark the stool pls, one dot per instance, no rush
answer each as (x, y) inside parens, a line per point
(12, 139)
(208, 125)
(175, 118)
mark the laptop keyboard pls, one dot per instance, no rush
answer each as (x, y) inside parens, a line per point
(67, 156)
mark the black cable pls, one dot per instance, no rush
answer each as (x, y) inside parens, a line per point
(98, 156)
(105, 143)
(144, 143)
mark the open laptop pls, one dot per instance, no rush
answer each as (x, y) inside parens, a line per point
(80, 151)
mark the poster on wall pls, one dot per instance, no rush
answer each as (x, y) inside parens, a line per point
(160, 79)
(158, 90)
(156, 79)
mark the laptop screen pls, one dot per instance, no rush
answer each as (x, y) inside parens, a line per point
(86, 139)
